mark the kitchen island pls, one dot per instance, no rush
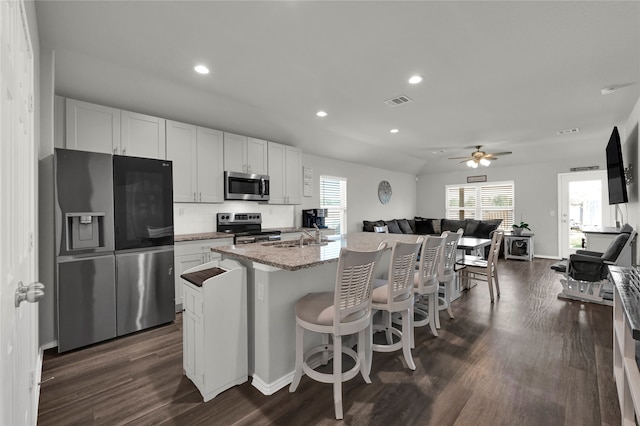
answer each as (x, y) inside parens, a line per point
(277, 276)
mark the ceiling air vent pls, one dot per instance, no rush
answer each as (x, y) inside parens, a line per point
(398, 100)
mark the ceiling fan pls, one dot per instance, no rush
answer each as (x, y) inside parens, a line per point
(480, 157)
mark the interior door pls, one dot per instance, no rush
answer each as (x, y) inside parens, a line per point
(583, 203)
(19, 361)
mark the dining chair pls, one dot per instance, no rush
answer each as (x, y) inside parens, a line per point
(345, 311)
(394, 294)
(480, 269)
(426, 284)
(447, 271)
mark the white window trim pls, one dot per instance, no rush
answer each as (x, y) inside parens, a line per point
(343, 208)
(478, 208)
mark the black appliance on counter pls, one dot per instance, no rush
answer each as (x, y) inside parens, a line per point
(314, 216)
(114, 245)
(246, 227)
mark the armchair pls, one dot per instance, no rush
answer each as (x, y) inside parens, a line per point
(586, 271)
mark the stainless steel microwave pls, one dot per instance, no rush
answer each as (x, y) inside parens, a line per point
(244, 186)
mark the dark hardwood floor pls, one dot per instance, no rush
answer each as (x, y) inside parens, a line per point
(528, 359)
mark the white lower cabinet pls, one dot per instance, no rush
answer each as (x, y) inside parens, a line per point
(215, 352)
(189, 254)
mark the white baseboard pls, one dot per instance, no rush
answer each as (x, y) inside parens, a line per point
(273, 387)
(546, 256)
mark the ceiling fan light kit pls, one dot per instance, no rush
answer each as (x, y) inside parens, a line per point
(479, 157)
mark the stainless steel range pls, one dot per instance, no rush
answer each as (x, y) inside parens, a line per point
(246, 227)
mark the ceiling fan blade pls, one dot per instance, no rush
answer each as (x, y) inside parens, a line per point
(460, 158)
(464, 161)
(495, 154)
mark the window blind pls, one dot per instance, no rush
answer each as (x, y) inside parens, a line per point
(333, 197)
(481, 201)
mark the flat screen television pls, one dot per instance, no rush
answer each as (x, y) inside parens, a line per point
(615, 170)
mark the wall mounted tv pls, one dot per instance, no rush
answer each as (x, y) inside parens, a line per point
(615, 170)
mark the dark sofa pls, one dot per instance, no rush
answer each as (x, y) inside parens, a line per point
(426, 226)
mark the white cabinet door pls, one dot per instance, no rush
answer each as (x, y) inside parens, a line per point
(182, 264)
(235, 147)
(293, 175)
(181, 150)
(276, 157)
(142, 135)
(210, 165)
(91, 127)
(256, 156)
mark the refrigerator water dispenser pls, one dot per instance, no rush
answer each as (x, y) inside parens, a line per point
(84, 230)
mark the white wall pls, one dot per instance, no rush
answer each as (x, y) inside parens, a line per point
(536, 193)
(631, 157)
(362, 199)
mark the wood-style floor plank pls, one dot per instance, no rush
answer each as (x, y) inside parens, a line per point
(528, 359)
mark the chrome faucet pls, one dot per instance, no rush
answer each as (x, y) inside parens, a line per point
(317, 238)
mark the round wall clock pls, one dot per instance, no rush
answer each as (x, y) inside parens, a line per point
(384, 191)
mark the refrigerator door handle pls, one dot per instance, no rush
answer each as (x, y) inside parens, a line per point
(170, 270)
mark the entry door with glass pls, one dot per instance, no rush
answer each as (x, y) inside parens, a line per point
(582, 205)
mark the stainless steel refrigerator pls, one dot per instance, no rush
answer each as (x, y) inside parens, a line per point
(114, 246)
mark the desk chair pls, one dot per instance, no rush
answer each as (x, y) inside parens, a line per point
(345, 311)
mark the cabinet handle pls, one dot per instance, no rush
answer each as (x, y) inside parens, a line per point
(115, 150)
(194, 197)
(124, 151)
(201, 196)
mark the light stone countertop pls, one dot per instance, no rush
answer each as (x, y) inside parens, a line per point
(295, 258)
(201, 236)
(216, 235)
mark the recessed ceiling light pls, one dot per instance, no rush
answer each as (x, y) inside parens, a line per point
(201, 69)
(321, 114)
(394, 130)
(415, 79)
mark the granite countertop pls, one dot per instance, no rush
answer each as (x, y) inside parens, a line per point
(201, 236)
(627, 282)
(295, 258)
(214, 235)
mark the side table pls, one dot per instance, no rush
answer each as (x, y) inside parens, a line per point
(518, 246)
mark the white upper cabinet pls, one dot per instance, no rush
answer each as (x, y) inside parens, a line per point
(181, 150)
(142, 135)
(97, 128)
(92, 127)
(285, 174)
(293, 174)
(277, 187)
(197, 154)
(210, 165)
(245, 155)
(256, 156)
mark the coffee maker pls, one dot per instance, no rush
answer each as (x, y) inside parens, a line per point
(314, 216)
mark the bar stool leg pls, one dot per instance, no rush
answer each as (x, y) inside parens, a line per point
(337, 375)
(299, 358)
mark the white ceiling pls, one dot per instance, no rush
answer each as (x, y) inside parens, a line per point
(507, 75)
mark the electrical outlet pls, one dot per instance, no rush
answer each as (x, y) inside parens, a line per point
(260, 292)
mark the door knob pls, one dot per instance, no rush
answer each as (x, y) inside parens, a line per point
(31, 293)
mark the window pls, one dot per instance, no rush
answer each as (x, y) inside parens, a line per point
(333, 197)
(481, 201)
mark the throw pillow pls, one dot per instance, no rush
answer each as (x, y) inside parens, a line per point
(452, 225)
(412, 224)
(470, 227)
(404, 226)
(393, 226)
(485, 227)
(424, 227)
(367, 225)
